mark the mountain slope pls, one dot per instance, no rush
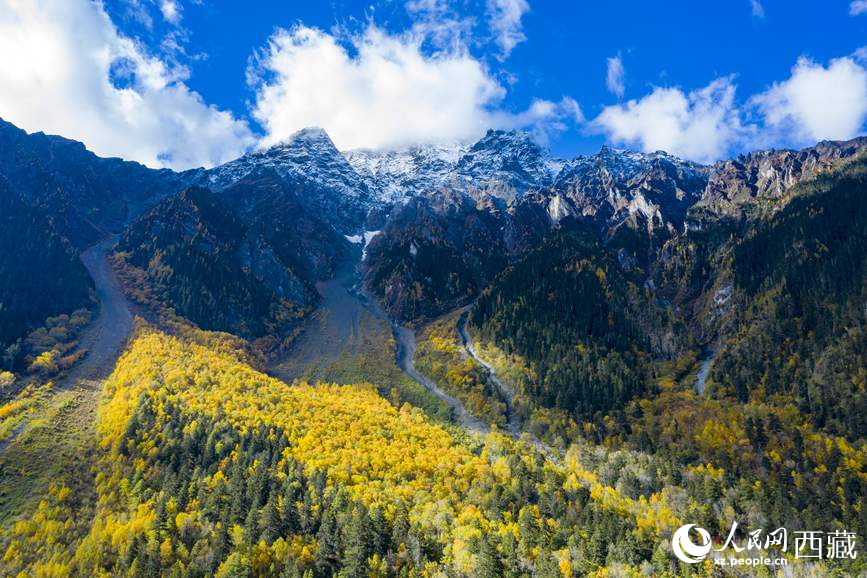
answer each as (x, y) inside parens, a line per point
(309, 162)
(195, 256)
(434, 255)
(84, 193)
(587, 330)
(209, 467)
(41, 273)
(800, 278)
(397, 175)
(301, 237)
(57, 199)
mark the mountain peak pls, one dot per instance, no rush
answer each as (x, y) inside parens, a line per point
(311, 133)
(308, 138)
(510, 138)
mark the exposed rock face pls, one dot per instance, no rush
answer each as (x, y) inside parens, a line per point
(395, 176)
(646, 190)
(761, 178)
(506, 165)
(277, 211)
(636, 202)
(451, 216)
(435, 254)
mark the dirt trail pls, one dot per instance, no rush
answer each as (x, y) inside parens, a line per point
(704, 369)
(332, 328)
(56, 444)
(106, 336)
(405, 338)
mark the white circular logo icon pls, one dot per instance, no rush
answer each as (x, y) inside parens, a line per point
(685, 549)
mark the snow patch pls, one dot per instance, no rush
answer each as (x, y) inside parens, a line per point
(368, 237)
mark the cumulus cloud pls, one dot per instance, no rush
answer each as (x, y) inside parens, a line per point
(67, 70)
(543, 119)
(858, 7)
(382, 91)
(817, 102)
(614, 78)
(701, 125)
(504, 19)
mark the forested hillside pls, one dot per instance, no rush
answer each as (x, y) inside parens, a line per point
(802, 331)
(209, 467)
(28, 294)
(662, 343)
(588, 331)
(187, 254)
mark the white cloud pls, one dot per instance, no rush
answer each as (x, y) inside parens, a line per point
(757, 9)
(171, 11)
(817, 102)
(387, 93)
(701, 125)
(440, 24)
(504, 19)
(543, 119)
(614, 78)
(67, 70)
(858, 7)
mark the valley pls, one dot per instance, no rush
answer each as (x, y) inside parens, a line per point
(512, 377)
(514, 421)
(57, 443)
(336, 331)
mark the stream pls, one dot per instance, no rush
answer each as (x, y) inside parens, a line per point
(335, 325)
(508, 395)
(704, 369)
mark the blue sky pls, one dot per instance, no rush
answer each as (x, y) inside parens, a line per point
(191, 82)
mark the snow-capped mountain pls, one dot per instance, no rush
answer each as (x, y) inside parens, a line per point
(309, 155)
(319, 175)
(614, 187)
(417, 170)
(618, 185)
(507, 164)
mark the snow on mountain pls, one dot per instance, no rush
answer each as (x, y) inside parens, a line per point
(308, 156)
(617, 185)
(506, 164)
(613, 184)
(417, 170)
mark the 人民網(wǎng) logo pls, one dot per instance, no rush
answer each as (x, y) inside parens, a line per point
(687, 550)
